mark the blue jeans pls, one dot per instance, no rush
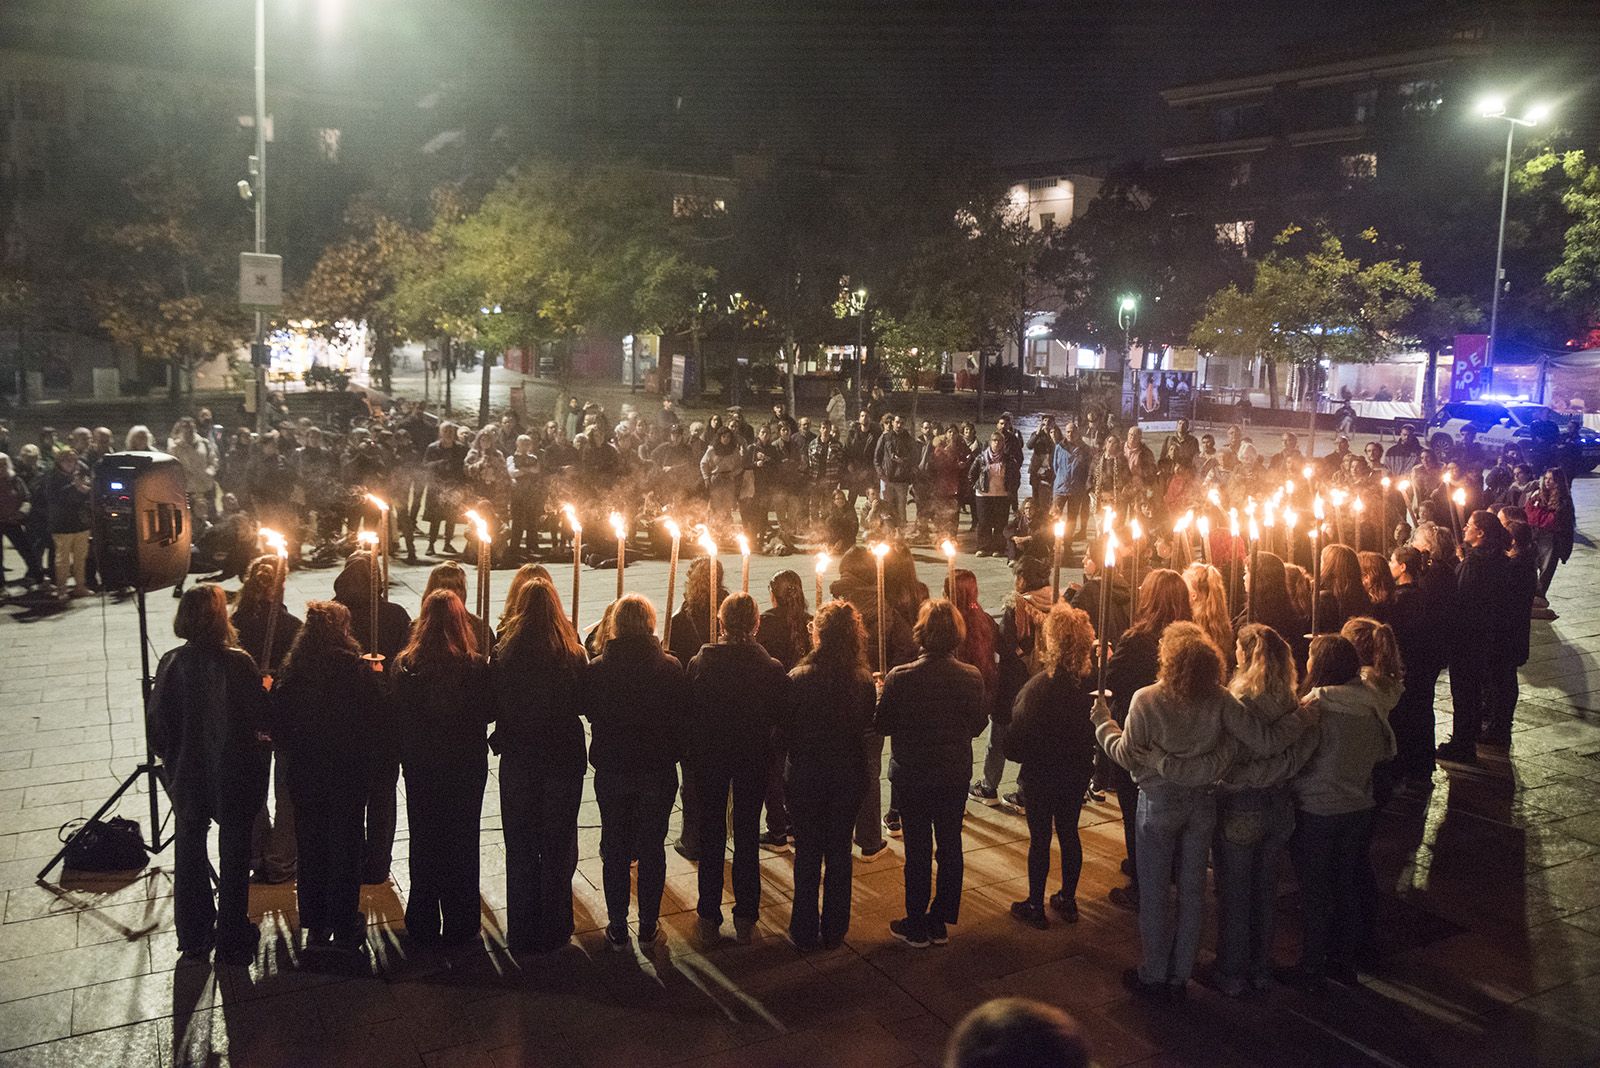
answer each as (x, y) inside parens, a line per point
(994, 757)
(1175, 824)
(1252, 828)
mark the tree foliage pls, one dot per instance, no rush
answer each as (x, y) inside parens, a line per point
(1575, 279)
(355, 279)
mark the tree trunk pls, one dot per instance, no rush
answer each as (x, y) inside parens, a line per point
(1311, 402)
(447, 364)
(1272, 384)
(916, 393)
(791, 355)
(983, 363)
(483, 389)
(1430, 385)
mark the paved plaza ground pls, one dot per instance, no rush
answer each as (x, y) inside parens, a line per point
(1491, 915)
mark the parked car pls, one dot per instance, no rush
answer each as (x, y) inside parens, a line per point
(1547, 437)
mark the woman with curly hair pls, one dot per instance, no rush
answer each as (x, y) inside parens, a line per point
(827, 772)
(329, 708)
(1052, 738)
(1208, 606)
(272, 838)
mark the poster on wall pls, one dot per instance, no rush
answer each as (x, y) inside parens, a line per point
(1469, 374)
(1161, 398)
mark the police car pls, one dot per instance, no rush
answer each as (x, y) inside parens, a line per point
(1545, 435)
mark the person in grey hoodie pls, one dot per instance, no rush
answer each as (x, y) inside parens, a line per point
(1170, 746)
(1333, 794)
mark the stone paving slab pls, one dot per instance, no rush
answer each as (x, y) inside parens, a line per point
(1491, 911)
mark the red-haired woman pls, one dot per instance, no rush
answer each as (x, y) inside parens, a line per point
(328, 710)
(441, 697)
(205, 710)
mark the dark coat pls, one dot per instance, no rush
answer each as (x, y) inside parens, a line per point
(636, 699)
(899, 646)
(353, 589)
(826, 723)
(1486, 594)
(931, 708)
(330, 718)
(739, 694)
(1135, 660)
(206, 708)
(67, 496)
(442, 715)
(252, 629)
(1524, 587)
(776, 638)
(1051, 735)
(537, 710)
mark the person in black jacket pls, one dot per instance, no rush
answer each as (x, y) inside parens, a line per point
(691, 630)
(1134, 663)
(353, 590)
(327, 711)
(739, 694)
(827, 774)
(1517, 620)
(207, 712)
(1052, 738)
(272, 837)
(440, 680)
(636, 699)
(1486, 587)
(931, 709)
(1423, 652)
(785, 633)
(538, 669)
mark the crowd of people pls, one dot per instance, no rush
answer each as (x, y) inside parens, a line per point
(1251, 693)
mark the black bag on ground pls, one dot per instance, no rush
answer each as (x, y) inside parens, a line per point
(115, 844)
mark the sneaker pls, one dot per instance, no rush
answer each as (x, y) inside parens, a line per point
(870, 855)
(648, 936)
(1139, 987)
(891, 824)
(1015, 802)
(708, 931)
(743, 930)
(984, 794)
(1094, 796)
(1029, 913)
(981, 552)
(775, 842)
(901, 929)
(1064, 906)
(1457, 752)
(1125, 897)
(617, 939)
(938, 933)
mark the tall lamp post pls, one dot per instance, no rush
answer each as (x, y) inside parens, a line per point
(1127, 316)
(1494, 107)
(858, 304)
(258, 193)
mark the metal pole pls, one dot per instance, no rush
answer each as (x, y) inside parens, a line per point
(861, 333)
(1499, 255)
(259, 196)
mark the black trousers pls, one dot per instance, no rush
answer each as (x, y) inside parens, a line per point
(444, 805)
(1501, 700)
(1413, 725)
(823, 803)
(382, 810)
(778, 816)
(930, 819)
(1075, 511)
(539, 812)
(328, 838)
(18, 536)
(1471, 684)
(1330, 859)
(990, 522)
(201, 922)
(1053, 813)
(634, 811)
(712, 785)
(1128, 802)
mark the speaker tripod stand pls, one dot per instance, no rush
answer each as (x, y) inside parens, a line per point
(148, 769)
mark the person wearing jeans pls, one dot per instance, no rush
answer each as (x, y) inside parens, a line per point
(636, 700)
(67, 495)
(995, 475)
(931, 709)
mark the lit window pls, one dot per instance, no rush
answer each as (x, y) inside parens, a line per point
(1358, 167)
(1047, 220)
(1422, 97)
(1364, 106)
(690, 206)
(328, 138)
(1237, 234)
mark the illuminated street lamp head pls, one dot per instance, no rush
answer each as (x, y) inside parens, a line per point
(572, 518)
(1492, 107)
(1536, 114)
(823, 560)
(948, 547)
(673, 530)
(619, 525)
(1129, 303)
(377, 502)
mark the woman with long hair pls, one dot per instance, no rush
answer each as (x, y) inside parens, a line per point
(207, 712)
(452, 578)
(1423, 654)
(931, 709)
(1052, 738)
(1208, 606)
(524, 575)
(691, 631)
(1297, 580)
(827, 773)
(1334, 800)
(785, 633)
(1269, 589)
(1341, 595)
(1554, 524)
(1481, 639)
(1135, 662)
(1378, 582)
(1019, 649)
(1255, 817)
(537, 668)
(329, 708)
(272, 852)
(439, 684)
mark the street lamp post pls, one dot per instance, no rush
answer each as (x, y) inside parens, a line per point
(859, 299)
(1127, 316)
(258, 191)
(1495, 108)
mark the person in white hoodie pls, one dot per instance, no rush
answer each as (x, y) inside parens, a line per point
(1334, 800)
(1179, 733)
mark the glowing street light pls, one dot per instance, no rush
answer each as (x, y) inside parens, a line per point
(1494, 107)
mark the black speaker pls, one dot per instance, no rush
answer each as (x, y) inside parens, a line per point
(141, 521)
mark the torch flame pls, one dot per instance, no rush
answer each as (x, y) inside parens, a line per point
(1459, 496)
(1255, 530)
(368, 538)
(619, 525)
(572, 518)
(1290, 518)
(672, 528)
(1111, 549)
(948, 547)
(744, 543)
(1384, 482)
(1316, 507)
(275, 541)
(880, 550)
(1060, 531)
(1305, 472)
(823, 560)
(1184, 522)
(1358, 506)
(1203, 525)
(378, 502)
(1134, 529)
(708, 543)
(1214, 497)
(1404, 486)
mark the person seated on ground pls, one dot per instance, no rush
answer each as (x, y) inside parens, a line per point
(1016, 1033)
